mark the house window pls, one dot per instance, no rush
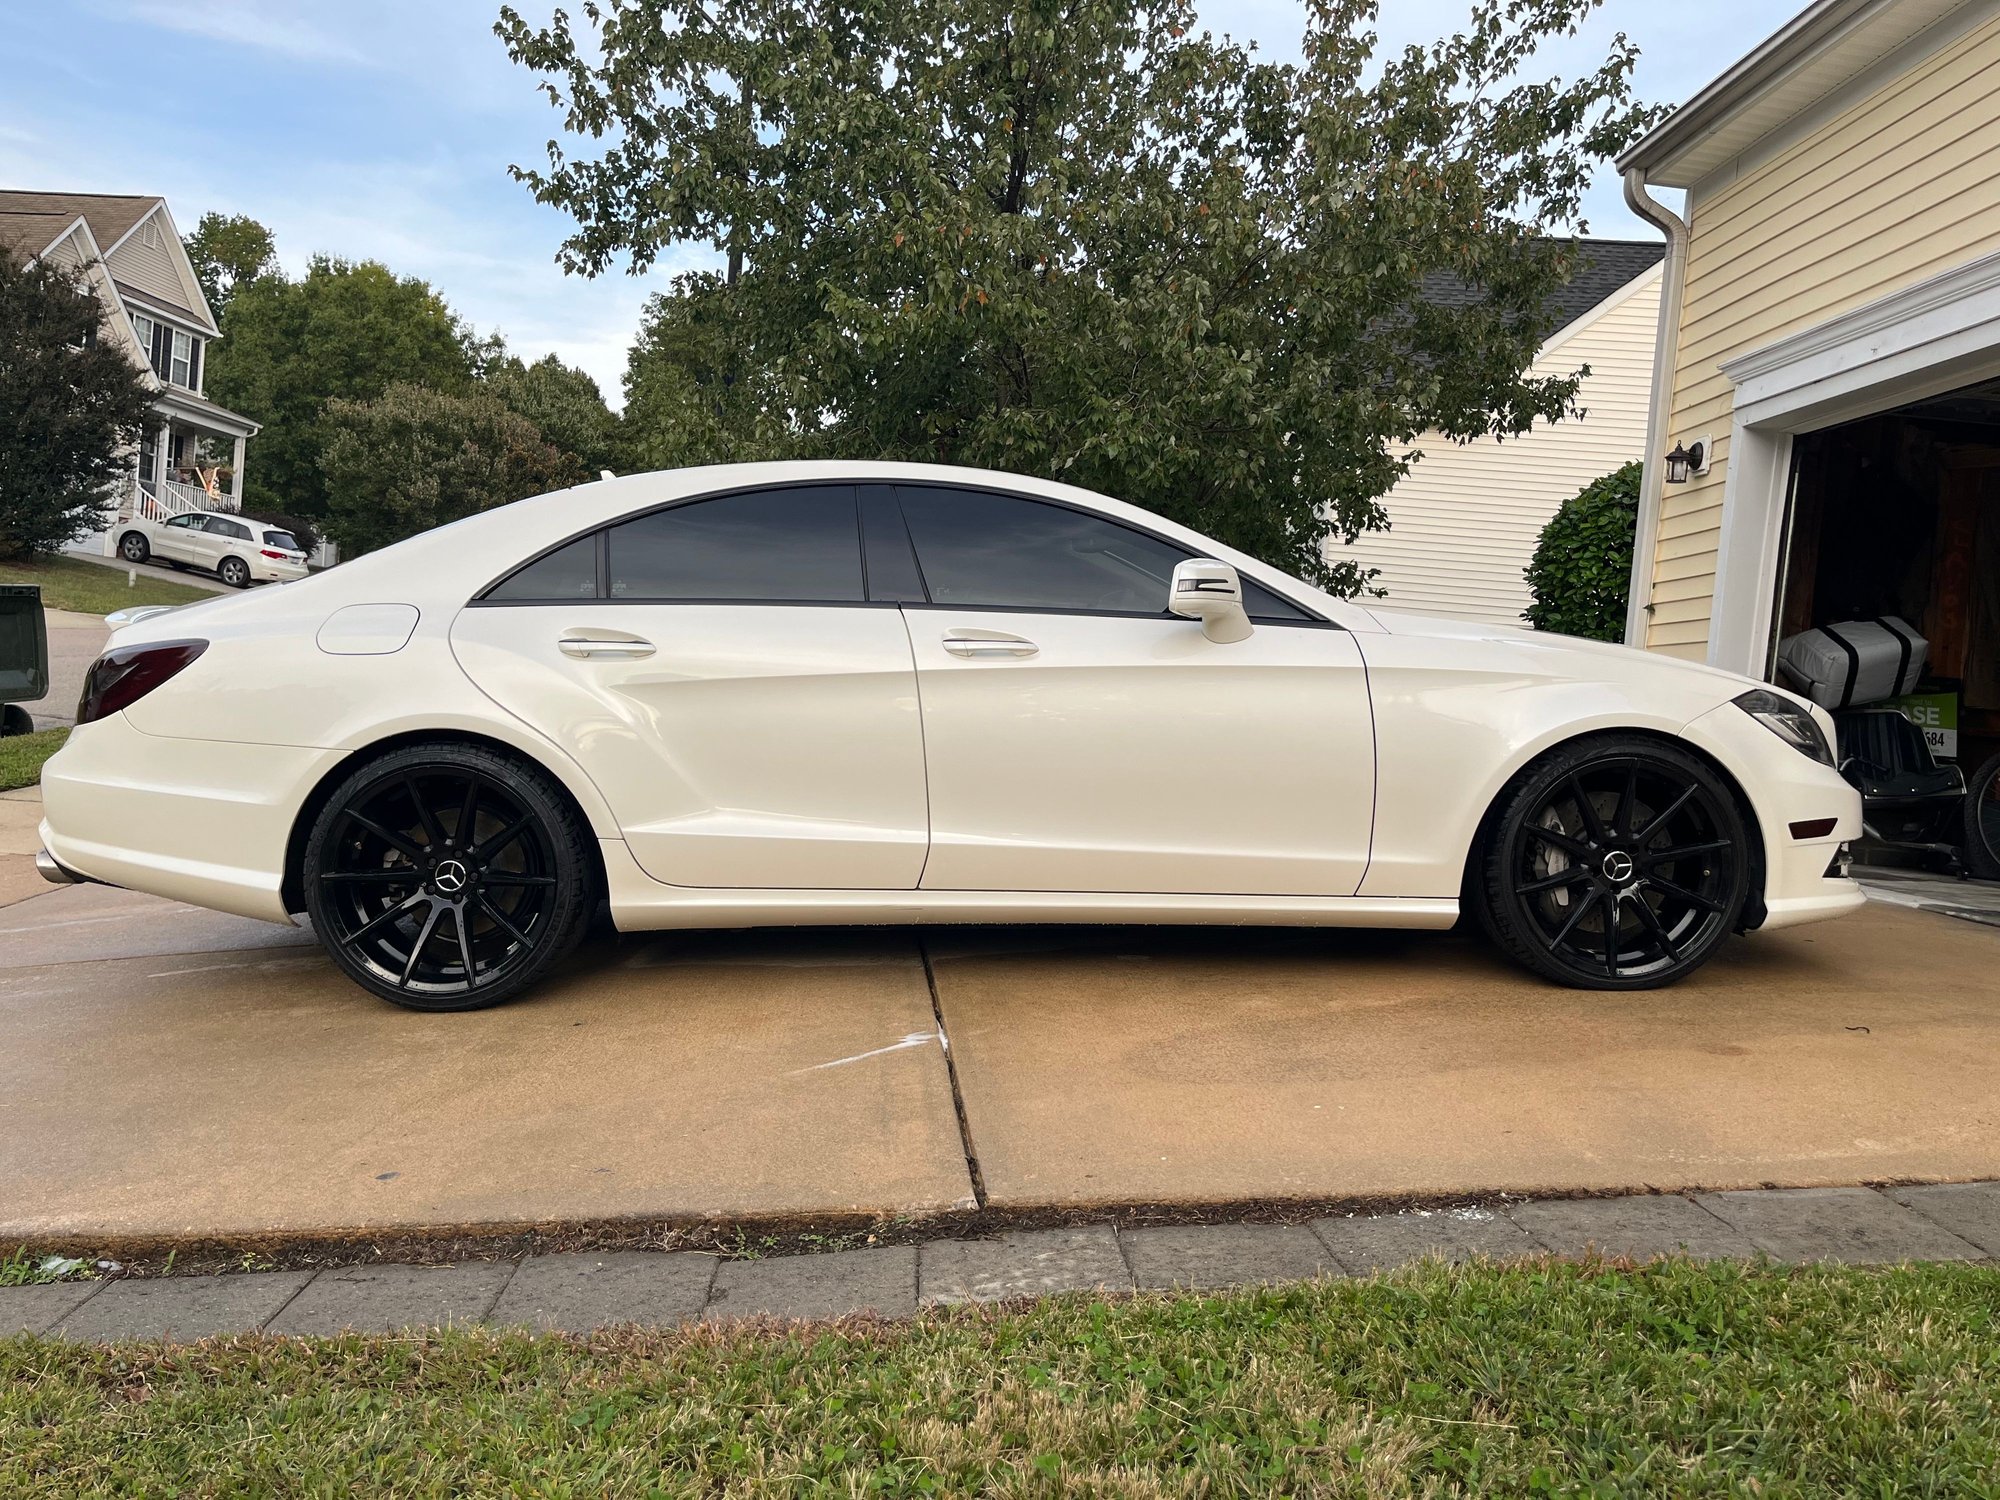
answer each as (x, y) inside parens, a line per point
(181, 372)
(142, 329)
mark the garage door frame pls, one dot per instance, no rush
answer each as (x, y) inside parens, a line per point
(1928, 338)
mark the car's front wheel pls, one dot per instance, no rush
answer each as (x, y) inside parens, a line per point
(133, 547)
(235, 572)
(448, 876)
(1617, 863)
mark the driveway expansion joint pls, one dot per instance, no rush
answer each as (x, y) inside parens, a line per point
(574, 1292)
(972, 1169)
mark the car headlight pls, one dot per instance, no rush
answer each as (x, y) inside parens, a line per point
(1789, 722)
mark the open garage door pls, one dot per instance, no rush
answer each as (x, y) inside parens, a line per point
(1889, 611)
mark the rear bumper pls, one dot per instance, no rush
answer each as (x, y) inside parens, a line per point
(263, 570)
(201, 821)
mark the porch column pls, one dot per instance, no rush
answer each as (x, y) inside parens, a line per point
(236, 477)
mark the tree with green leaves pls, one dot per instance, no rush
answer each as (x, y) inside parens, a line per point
(1581, 572)
(346, 331)
(414, 458)
(1081, 239)
(226, 251)
(563, 402)
(72, 405)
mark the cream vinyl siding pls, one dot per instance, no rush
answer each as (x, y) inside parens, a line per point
(147, 263)
(1902, 186)
(1464, 521)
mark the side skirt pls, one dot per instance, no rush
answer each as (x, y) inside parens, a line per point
(641, 904)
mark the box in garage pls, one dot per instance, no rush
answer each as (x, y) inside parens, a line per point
(1854, 661)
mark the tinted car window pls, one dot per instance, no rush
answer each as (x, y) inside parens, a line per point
(569, 572)
(282, 539)
(983, 549)
(235, 530)
(792, 545)
(189, 523)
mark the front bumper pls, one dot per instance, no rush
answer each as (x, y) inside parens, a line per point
(1802, 875)
(201, 821)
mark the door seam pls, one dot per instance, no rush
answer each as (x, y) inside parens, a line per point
(924, 757)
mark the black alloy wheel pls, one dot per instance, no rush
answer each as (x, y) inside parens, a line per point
(1618, 863)
(133, 547)
(1982, 821)
(448, 877)
(235, 572)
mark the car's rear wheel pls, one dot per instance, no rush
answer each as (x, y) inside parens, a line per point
(1617, 863)
(134, 548)
(448, 876)
(235, 572)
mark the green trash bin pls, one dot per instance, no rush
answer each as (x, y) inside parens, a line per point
(24, 655)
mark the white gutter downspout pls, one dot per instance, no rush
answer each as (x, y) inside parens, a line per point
(1645, 542)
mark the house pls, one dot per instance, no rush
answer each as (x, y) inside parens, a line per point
(1824, 439)
(1464, 521)
(191, 456)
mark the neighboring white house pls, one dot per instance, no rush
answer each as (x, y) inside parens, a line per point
(191, 457)
(1464, 520)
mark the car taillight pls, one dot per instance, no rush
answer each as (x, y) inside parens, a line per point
(118, 679)
(269, 553)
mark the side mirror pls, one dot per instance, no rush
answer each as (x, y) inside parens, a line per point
(1210, 591)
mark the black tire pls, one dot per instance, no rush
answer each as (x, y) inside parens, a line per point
(412, 913)
(134, 547)
(1982, 821)
(234, 571)
(1615, 824)
(15, 719)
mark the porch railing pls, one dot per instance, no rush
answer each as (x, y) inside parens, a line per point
(161, 499)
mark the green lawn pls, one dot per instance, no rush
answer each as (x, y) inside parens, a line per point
(21, 756)
(91, 588)
(1680, 1379)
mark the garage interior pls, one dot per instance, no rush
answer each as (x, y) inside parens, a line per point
(1897, 515)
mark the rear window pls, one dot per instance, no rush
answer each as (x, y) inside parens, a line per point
(282, 539)
(790, 546)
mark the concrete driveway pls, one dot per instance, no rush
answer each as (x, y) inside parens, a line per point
(173, 1072)
(75, 641)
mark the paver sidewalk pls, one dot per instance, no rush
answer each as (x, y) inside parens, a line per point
(575, 1293)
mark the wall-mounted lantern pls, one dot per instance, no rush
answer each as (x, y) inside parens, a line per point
(1685, 461)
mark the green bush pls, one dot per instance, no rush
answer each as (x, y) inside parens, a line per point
(1582, 567)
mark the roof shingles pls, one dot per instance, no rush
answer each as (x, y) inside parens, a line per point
(1603, 266)
(110, 215)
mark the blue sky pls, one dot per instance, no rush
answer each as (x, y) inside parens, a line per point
(383, 128)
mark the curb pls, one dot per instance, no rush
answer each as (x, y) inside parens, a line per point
(580, 1292)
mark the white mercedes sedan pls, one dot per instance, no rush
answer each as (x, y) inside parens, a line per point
(897, 693)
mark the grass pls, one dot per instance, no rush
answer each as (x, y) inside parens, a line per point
(23, 1269)
(91, 588)
(21, 756)
(1678, 1379)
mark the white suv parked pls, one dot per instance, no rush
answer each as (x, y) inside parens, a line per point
(234, 548)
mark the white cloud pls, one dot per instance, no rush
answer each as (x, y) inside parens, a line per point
(256, 24)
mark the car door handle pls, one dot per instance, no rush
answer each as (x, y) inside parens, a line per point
(588, 648)
(974, 645)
